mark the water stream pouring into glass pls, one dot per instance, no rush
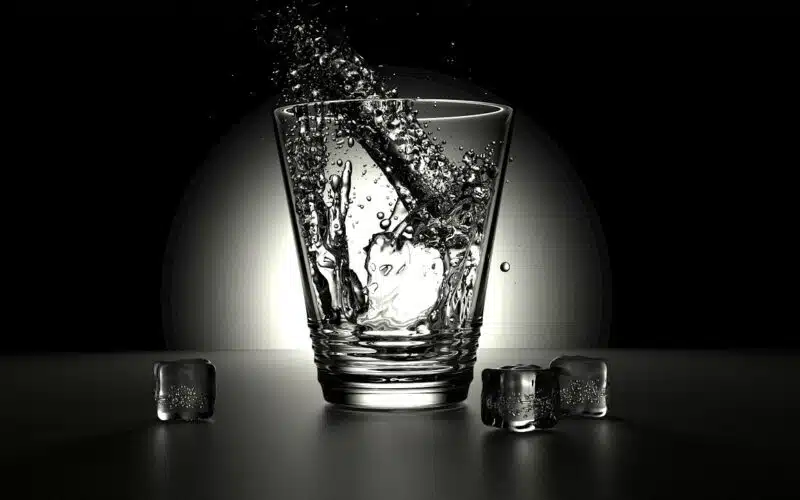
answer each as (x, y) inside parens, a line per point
(395, 303)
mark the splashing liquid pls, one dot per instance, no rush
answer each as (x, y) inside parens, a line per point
(421, 268)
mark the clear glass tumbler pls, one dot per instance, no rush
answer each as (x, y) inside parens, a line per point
(394, 205)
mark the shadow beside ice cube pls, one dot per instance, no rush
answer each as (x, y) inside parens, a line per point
(584, 386)
(184, 389)
(520, 398)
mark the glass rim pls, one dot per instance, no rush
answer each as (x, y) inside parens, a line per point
(498, 108)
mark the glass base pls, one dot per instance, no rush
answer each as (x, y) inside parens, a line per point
(440, 391)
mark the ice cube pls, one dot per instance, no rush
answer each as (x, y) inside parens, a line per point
(185, 389)
(403, 283)
(520, 398)
(584, 385)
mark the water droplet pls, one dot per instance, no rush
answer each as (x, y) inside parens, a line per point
(339, 162)
(380, 215)
(369, 198)
(385, 224)
(510, 158)
(351, 142)
(505, 267)
(461, 148)
(361, 206)
(452, 44)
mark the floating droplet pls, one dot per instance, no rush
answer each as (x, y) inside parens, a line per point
(351, 142)
(385, 224)
(510, 158)
(369, 198)
(339, 162)
(380, 215)
(505, 267)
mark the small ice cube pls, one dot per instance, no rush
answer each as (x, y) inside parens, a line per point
(185, 389)
(584, 385)
(520, 398)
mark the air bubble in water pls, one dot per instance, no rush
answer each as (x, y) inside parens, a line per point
(380, 215)
(505, 267)
(339, 162)
(351, 142)
(385, 224)
(369, 198)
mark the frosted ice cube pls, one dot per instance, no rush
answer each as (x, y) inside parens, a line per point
(403, 284)
(584, 385)
(520, 398)
(184, 389)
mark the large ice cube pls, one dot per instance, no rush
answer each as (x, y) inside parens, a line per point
(403, 284)
(520, 398)
(584, 385)
(184, 389)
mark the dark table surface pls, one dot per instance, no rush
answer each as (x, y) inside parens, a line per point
(681, 425)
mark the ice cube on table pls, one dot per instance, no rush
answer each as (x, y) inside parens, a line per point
(584, 385)
(185, 389)
(520, 398)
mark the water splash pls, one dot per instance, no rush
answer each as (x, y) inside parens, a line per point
(440, 208)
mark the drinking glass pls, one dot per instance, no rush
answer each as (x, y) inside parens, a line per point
(394, 205)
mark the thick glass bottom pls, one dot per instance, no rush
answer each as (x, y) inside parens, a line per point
(395, 369)
(348, 391)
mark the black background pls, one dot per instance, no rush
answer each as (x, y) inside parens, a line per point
(681, 128)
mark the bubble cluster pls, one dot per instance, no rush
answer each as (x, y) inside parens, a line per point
(182, 397)
(578, 393)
